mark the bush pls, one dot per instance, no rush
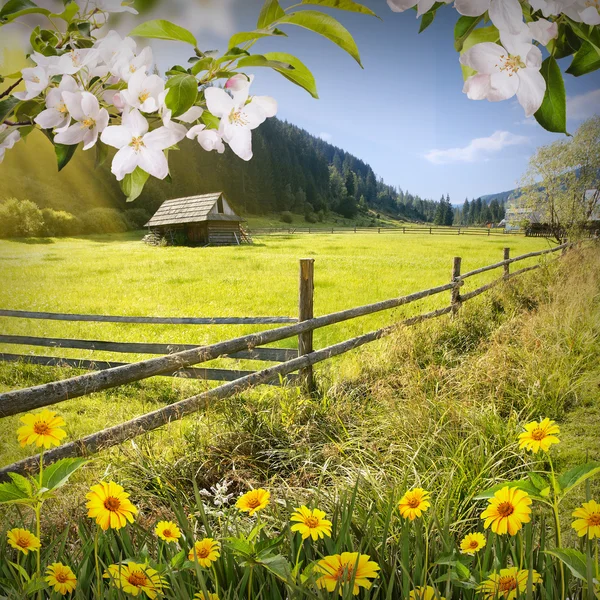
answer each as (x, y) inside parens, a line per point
(136, 218)
(20, 218)
(104, 220)
(59, 223)
(287, 217)
(311, 217)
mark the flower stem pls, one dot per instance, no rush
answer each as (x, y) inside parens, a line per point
(97, 563)
(38, 523)
(557, 527)
(250, 583)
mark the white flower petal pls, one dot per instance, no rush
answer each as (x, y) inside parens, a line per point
(241, 144)
(219, 102)
(472, 8)
(194, 131)
(193, 114)
(50, 118)
(504, 85)
(506, 15)
(484, 57)
(89, 105)
(73, 103)
(543, 31)
(90, 138)
(401, 5)
(135, 122)
(116, 136)
(590, 15)
(532, 87)
(125, 162)
(154, 162)
(71, 136)
(477, 87)
(268, 104)
(164, 137)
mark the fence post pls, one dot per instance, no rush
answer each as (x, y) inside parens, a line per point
(305, 312)
(455, 294)
(506, 267)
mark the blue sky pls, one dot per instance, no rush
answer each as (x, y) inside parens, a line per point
(404, 113)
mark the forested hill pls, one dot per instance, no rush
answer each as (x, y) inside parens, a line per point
(291, 171)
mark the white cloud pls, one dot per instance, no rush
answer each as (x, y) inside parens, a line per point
(477, 150)
(583, 106)
(326, 137)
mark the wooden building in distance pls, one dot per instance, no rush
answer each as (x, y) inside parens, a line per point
(206, 220)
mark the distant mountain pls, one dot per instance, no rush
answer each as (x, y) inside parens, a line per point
(502, 197)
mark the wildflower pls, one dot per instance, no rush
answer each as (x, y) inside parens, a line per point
(472, 543)
(349, 567)
(135, 579)
(253, 501)
(211, 596)
(41, 429)
(109, 504)
(588, 520)
(539, 436)
(56, 116)
(508, 583)
(91, 120)
(414, 503)
(311, 523)
(23, 540)
(425, 593)
(61, 578)
(205, 551)
(507, 511)
(167, 531)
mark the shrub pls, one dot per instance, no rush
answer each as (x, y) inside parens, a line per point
(104, 220)
(311, 217)
(59, 223)
(20, 218)
(287, 217)
(136, 218)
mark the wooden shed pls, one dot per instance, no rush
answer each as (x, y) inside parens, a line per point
(206, 220)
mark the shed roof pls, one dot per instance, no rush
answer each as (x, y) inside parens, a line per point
(193, 209)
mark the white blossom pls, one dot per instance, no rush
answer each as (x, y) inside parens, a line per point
(550, 7)
(209, 139)
(113, 48)
(140, 148)
(36, 81)
(238, 82)
(506, 15)
(126, 68)
(144, 92)
(422, 5)
(503, 71)
(543, 31)
(114, 6)
(239, 117)
(9, 141)
(56, 116)
(584, 11)
(91, 120)
(72, 62)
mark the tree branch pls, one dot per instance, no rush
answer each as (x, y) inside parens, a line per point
(18, 123)
(11, 88)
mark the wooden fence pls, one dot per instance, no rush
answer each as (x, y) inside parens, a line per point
(433, 230)
(247, 346)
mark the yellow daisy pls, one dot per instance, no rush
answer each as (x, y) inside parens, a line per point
(311, 523)
(41, 429)
(588, 520)
(507, 511)
(338, 570)
(109, 504)
(425, 593)
(23, 540)
(211, 596)
(167, 531)
(253, 501)
(136, 579)
(472, 543)
(205, 551)
(414, 503)
(508, 584)
(539, 436)
(61, 578)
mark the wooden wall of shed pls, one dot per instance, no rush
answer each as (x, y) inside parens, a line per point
(223, 233)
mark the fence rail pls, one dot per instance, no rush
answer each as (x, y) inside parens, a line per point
(434, 230)
(23, 400)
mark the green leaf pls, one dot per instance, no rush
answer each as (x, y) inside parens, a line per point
(35, 585)
(249, 36)
(22, 483)
(270, 12)
(133, 184)
(204, 64)
(585, 61)
(300, 74)
(11, 493)
(463, 28)
(426, 20)
(552, 114)
(64, 154)
(69, 13)
(348, 5)
(589, 34)
(28, 110)
(6, 106)
(277, 565)
(183, 91)
(577, 475)
(524, 484)
(241, 547)
(258, 60)
(14, 9)
(101, 154)
(210, 120)
(573, 559)
(58, 473)
(164, 30)
(326, 26)
(478, 36)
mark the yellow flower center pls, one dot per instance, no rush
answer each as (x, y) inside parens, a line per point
(253, 502)
(237, 117)
(167, 533)
(75, 58)
(144, 96)
(132, 68)
(538, 434)
(507, 583)
(594, 520)
(311, 522)
(137, 143)
(511, 64)
(113, 504)
(137, 579)
(506, 509)
(61, 576)
(35, 79)
(593, 3)
(62, 108)
(89, 123)
(413, 502)
(41, 428)
(23, 542)
(344, 573)
(203, 552)
(474, 544)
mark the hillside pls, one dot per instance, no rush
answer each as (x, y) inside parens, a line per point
(291, 171)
